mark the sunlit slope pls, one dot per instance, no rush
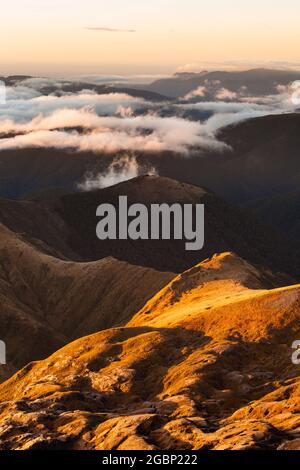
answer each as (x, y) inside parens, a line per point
(206, 364)
(222, 296)
(46, 302)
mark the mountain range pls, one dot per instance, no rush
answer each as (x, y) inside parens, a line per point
(204, 365)
(256, 82)
(260, 166)
(122, 344)
(59, 282)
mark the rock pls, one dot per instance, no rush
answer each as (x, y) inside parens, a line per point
(290, 445)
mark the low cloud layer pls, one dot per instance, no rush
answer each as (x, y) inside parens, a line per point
(24, 103)
(231, 108)
(87, 121)
(109, 134)
(114, 122)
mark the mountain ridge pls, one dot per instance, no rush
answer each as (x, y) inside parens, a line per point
(46, 301)
(72, 230)
(258, 82)
(188, 385)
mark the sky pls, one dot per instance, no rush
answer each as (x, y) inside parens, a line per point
(61, 37)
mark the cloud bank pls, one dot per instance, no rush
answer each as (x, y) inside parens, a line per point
(110, 134)
(24, 104)
(118, 122)
(87, 121)
(232, 108)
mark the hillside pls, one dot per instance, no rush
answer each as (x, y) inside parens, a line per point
(46, 302)
(67, 225)
(282, 212)
(263, 162)
(206, 364)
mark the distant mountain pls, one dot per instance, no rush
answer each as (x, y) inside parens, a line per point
(253, 82)
(205, 365)
(13, 80)
(258, 82)
(78, 86)
(263, 162)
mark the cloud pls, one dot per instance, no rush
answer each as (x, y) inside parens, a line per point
(24, 104)
(124, 112)
(95, 79)
(225, 113)
(121, 169)
(295, 92)
(221, 120)
(117, 122)
(38, 83)
(147, 133)
(109, 30)
(20, 93)
(197, 93)
(2, 93)
(224, 94)
(223, 106)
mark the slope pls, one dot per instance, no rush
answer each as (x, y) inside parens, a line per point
(46, 302)
(169, 380)
(67, 226)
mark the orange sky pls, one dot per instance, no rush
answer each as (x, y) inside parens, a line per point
(140, 36)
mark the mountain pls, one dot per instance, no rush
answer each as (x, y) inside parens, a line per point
(258, 82)
(66, 227)
(58, 282)
(46, 302)
(262, 162)
(66, 86)
(205, 365)
(25, 172)
(264, 156)
(281, 212)
(77, 87)
(254, 82)
(244, 235)
(12, 80)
